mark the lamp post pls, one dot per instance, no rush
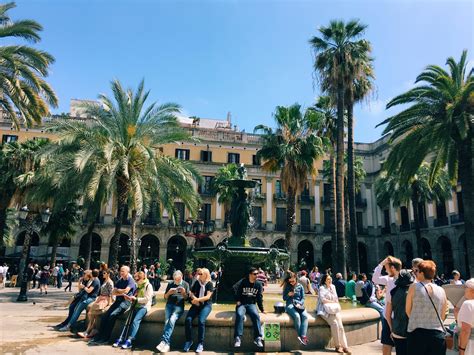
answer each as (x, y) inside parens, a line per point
(31, 222)
(198, 228)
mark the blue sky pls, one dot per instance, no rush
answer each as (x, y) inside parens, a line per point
(245, 57)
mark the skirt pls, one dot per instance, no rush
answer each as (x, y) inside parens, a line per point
(99, 306)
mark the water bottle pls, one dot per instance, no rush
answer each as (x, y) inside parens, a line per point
(354, 301)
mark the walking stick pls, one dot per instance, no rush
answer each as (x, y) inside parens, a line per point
(128, 322)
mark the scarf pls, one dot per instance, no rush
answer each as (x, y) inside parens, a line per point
(142, 285)
(202, 290)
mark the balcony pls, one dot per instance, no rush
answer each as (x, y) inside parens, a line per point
(150, 221)
(439, 222)
(404, 227)
(325, 201)
(279, 196)
(303, 228)
(306, 199)
(260, 196)
(99, 220)
(423, 225)
(280, 227)
(386, 230)
(457, 218)
(361, 202)
(205, 193)
(125, 221)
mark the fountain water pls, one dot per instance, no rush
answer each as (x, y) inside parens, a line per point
(236, 255)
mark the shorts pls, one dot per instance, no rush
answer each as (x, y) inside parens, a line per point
(386, 339)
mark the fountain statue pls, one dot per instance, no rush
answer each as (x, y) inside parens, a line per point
(236, 255)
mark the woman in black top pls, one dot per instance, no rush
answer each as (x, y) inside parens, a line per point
(200, 296)
(400, 318)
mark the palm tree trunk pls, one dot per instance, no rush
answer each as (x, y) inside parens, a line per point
(415, 197)
(54, 251)
(354, 251)
(340, 232)
(88, 256)
(115, 242)
(466, 177)
(347, 225)
(133, 249)
(332, 204)
(290, 214)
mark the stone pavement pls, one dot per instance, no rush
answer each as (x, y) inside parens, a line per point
(25, 328)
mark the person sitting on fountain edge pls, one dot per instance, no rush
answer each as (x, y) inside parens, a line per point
(248, 291)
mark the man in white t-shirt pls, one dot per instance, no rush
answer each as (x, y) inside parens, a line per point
(392, 266)
(2, 279)
(466, 321)
(54, 274)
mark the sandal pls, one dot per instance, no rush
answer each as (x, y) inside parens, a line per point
(339, 350)
(347, 351)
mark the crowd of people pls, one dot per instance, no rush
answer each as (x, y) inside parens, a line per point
(410, 301)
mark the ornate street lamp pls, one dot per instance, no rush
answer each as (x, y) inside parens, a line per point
(30, 222)
(198, 229)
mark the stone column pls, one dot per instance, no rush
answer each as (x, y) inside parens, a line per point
(219, 223)
(370, 217)
(269, 221)
(393, 218)
(430, 215)
(165, 218)
(109, 218)
(317, 208)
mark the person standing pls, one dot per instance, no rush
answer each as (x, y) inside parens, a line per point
(201, 299)
(293, 294)
(60, 275)
(35, 276)
(54, 274)
(44, 280)
(176, 293)
(151, 276)
(314, 277)
(400, 318)
(392, 267)
(426, 307)
(330, 310)
(89, 290)
(141, 305)
(248, 291)
(466, 321)
(124, 286)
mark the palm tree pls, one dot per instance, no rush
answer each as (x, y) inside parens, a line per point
(337, 51)
(418, 189)
(121, 146)
(439, 127)
(292, 149)
(325, 108)
(225, 191)
(24, 94)
(61, 226)
(362, 85)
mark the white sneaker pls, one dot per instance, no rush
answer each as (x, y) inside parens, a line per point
(161, 347)
(237, 342)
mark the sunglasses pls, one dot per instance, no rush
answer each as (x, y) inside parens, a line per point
(199, 274)
(255, 273)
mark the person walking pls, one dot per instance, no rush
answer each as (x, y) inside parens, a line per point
(248, 291)
(201, 300)
(54, 274)
(400, 318)
(392, 267)
(89, 289)
(69, 277)
(330, 310)
(151, 276)
(141, 305)
(466, 321)
(44, 280)
(176, 293)
(293, 294)
(124, 286)
(426, 307)
(60, 276)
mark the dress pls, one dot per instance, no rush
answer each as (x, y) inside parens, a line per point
(466, 315)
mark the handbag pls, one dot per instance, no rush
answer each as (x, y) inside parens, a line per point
(299, 307)
(332, 308)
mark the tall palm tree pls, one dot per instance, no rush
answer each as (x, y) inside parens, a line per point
(292, 149)
(24, 94)
(225, 191)
(324, 106)
(362, 76)
(438, 126)
(419, 189)
(337, 50)
(121, 144)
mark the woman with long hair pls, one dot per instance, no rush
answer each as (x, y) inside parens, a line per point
(99, 306)
(201, 299)
(330, 310)
(293, 294)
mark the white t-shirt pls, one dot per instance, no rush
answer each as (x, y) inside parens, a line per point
(55, 271)
(466, 315)
(387, 281)
(5, 271)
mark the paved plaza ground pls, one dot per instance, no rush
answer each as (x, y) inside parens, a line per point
(25, 328)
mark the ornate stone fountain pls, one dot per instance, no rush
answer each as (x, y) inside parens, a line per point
(236, 255)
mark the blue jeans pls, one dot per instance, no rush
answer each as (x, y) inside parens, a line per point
(202, 312)
(377, 307)
(172, 314)
(80, 306)
(139, 313)
(117, 308)
(251, 310)
(300, 320)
